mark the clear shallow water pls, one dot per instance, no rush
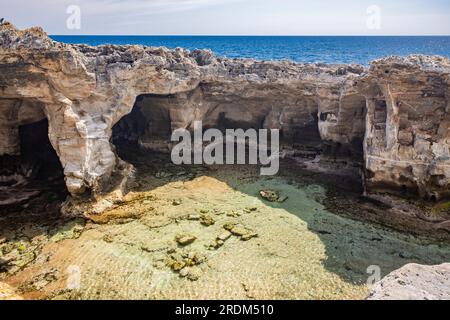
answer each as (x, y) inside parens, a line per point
(326, 49)
(302, 251)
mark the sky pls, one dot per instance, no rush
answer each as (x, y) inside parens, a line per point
(231, 17)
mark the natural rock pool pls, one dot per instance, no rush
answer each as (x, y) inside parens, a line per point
(232, 244)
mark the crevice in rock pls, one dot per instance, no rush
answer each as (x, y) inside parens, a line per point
(343, 131)
(379, 121)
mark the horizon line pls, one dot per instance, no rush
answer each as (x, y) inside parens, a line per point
(241, 35)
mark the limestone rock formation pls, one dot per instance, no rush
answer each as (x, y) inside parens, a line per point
(414, 282)
(87, 92)
(407, 127)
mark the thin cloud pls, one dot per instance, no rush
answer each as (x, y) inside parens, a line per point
(230, 16)
(145, 7)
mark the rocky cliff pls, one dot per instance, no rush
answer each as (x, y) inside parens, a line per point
(407, 127)
(393, 117)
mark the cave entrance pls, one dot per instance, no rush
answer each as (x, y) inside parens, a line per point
(307, 135)
(147, 126)
(355, 113)
(35, 175)
(37, 153)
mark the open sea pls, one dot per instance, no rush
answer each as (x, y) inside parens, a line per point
(327, 49)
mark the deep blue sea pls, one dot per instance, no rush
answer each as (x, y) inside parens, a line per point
(326, 49)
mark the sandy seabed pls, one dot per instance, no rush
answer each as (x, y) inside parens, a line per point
(292, 249)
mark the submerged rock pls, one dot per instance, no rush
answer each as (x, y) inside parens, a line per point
(269, 195)
(234, 214)
(229, 226)
(185, 272)
(224, 236)
(185, 239)
(194, 217)
(176, 202)
(242, 232)
(249, 236)
(272, 196)
(182, 261)
(250, 209)
(207, 220)
(220, 240)
(239, 231)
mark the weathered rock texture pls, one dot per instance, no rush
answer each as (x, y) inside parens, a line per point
(414, 282)
(85, 91)
(407, 127)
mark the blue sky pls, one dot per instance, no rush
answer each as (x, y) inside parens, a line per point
(244, 17)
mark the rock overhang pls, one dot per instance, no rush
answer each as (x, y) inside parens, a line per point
(86, 90)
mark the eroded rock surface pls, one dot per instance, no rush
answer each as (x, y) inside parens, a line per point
(85, 91)
(407, 127)
(414, 282)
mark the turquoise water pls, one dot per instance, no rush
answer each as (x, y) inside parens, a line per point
(325, 49)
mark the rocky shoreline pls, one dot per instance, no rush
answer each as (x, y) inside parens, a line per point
(84, 91)
(385, 128)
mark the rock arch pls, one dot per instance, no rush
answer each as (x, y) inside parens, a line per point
(85, 91)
